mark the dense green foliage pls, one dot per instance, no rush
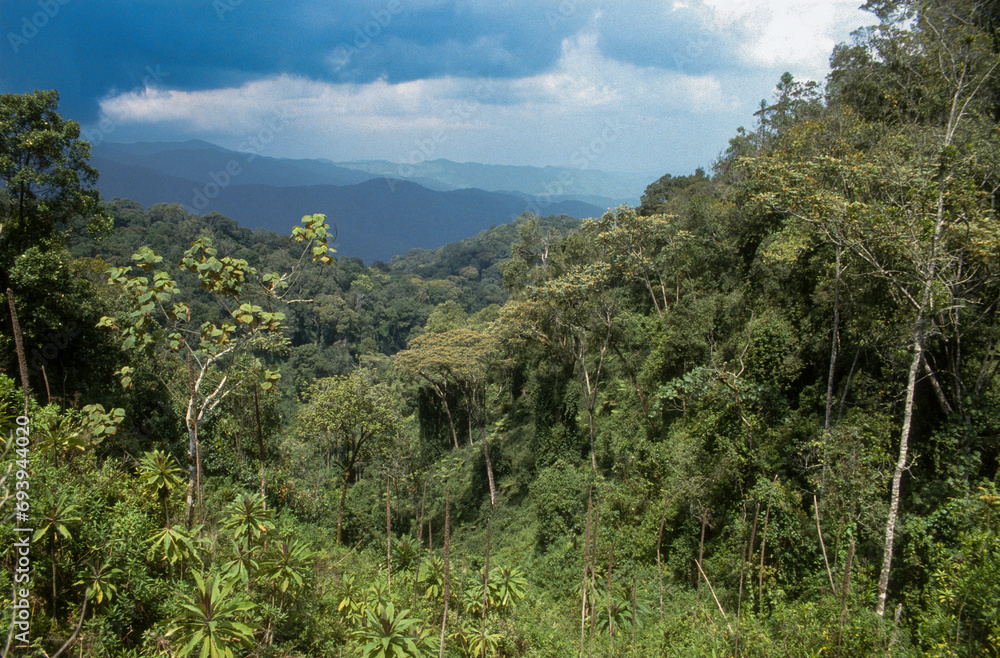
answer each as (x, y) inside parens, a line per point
(755, 416)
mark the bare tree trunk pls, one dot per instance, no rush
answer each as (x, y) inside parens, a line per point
(701, 548)
(590, 388)
(611, 627)
(635, 584)
(52, 554)
(388, 536)
(192, 475)
(447, 568)
(586, 568)
(822, 545)
(260, 446)
(845, 586)
(486, 580)
(489, 468)
(834, 347)
(451, 424)
(744, 560)
(897, 475)
(593, 581)
(420, 541)
(343, 499)
(191, 422)
(164, 499)
(659, 544)
(763, 545)
(22, 361)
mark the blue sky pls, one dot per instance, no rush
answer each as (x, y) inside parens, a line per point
(645, 86)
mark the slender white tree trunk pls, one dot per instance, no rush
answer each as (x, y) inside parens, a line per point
(897, 475)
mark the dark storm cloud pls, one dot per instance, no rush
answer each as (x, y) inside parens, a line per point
(90, 49)
(686, 38)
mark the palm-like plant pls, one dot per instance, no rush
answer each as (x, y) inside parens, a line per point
(212, 621)
(98, 578)
(404, 553)
(352, 600)
(61, 437)
(242, 565)
(387, 634)
(286, 562)
(620, 615)
(432, 576)
(510, 586)
(248, 517)
(161, 475)
(474, 639)
(378, 595)
(474, 603)
(175, 544)
(59, 514)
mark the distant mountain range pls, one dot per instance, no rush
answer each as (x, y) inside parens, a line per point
(591, 185)
(380, 209)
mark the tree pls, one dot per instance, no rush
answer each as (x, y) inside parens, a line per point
(911, 209)
(461, 359)
(213, 357)
(444, 361)
(212, 620)
(652, 247)
(352, 419)
(656, 198)
(59, 514)
(580, 314)
(248, 518)
(161, 475)
(387, 633)
(46, 189)
(45, 176)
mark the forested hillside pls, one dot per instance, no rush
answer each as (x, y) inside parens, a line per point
(756, 415)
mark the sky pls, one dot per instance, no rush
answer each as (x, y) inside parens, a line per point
(631, 85)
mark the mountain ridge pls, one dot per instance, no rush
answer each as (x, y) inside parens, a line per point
(376, 219)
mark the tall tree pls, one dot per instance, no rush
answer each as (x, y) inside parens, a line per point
(212, 357)
(353, 419)
(47, 181)
(456, 361)
(912, 209)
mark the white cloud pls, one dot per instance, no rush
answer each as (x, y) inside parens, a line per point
(791, 34)
(583, 84)
(662, 120)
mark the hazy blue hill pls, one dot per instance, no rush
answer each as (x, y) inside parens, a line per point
(549, 181)
(197, 161)
(149, 148)
(204, 163)
(141, 184)
(380, 218)
(375, 219)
